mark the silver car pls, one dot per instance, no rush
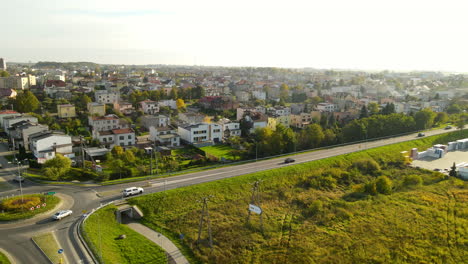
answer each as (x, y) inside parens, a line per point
(61, 214)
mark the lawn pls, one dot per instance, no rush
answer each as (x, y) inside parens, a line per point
(49, 245)
(220, 151)
(9, 214)
(318, 212)
(101, 231)
(4, 259)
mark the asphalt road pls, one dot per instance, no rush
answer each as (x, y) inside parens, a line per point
(17, 239)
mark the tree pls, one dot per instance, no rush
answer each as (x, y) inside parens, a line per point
(180, 103)
(461, 122)
(453, 171)
(454, 109)
(441, 118)
(26, 102)
(57, 167)
(364, 113)
(284, 92)
(373, 108)
(117, 151)
(4, 74)
(424, 118)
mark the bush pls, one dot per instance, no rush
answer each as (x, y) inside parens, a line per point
(367, 166)
(383, 185)
(315, 208)
(81, 174)
(16, 205)
(409, 180)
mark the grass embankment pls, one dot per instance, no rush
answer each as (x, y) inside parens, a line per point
(220, 151)
(15, 208)
(102, 231)
(4, 259)
(321, 212)
(49, 246)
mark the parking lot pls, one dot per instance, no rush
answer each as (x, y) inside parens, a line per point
(446, 162)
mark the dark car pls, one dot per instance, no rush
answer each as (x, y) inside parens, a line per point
(421, 135)
(289, 160)
(448, 127)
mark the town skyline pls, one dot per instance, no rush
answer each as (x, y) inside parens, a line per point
(362, 35)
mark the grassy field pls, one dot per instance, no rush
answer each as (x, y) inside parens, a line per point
(220, 151)
(320, 212)
(9, 215)
(102, 232)
(49, 245)
(4, 259)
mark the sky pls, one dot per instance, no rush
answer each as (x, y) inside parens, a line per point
(342, 34)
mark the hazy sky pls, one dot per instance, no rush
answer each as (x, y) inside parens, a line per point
(354, 34)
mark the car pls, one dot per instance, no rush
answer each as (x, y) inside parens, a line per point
(448, 127)
(19, 179)
(62, 214)
(132, 191)
(421, 135)
(289, 160)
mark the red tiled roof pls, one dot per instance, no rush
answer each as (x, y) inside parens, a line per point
(6, 112)
(57, 83)
(122, 131)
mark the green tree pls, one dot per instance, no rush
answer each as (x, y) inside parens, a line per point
(284, 92)
(4, 74)
(373, 108)
(424, 119)
(56, 168)
(441, 118)
(364, 113)
(454, 109)
(117, 151)
(26, 102)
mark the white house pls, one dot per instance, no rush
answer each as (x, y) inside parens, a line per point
(261, 95)
(116, 137)
(279, 111)
(45, 145)
(106, 97)
(155, 121)
(327, 107)
(169, 103)
(108, 122)
(229, 128)
(201, 134)
(7, 113)
(20, 132)
(11, 120)
(149, 107)
(165, 136)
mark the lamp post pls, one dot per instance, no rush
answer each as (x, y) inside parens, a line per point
(18, 163)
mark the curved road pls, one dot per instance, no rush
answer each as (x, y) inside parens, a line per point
(16, 238)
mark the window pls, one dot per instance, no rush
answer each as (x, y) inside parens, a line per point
(129, 136)
(121, 137)
(110, 138)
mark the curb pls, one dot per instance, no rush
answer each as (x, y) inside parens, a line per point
(8, 256)
(43, 253)
(83, 242)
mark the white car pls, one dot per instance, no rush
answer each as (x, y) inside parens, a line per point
(61, 214)
(132, 191)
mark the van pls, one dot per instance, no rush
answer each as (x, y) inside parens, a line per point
(132, 191)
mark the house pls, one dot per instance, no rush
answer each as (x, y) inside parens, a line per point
(106, 97)
(148, 121)
(96, 109)
(149, 107)
(125, 108)
(11, 120)
(242, 96)
(218, 103)
(7, 113)
(52, 87)
(45, 145)
(202, 134)
(108, 122)
(191, 118)
(168, 103)
(326, 107)
(123, 137)
(261, 95)
(20, 132)
(229, 128)
(165, 136)
(301, 120)
(274, 120)
(257, 120)
(279, 111)
(66, 111)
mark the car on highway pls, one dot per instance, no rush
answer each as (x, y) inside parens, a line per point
(19, 179)
(448, 127)
(61, 214)
(421, 134)
(289, 160)
(132, 191)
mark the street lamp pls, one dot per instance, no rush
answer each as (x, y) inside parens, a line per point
(20, 179)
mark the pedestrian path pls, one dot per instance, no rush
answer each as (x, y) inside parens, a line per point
(162, 241)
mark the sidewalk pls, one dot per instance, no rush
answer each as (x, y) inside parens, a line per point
(161, 241)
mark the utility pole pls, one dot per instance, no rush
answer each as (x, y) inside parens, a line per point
(82, 152)
(255, 200)
(204, 213)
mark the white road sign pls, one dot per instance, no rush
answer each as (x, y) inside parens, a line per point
(255, 209)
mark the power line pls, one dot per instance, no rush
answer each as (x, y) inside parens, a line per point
(205, 213)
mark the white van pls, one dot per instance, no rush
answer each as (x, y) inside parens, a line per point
(132, 191)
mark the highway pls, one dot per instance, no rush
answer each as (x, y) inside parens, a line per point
(15, 238)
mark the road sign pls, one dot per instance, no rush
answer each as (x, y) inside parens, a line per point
(50, 193)
(60, 251)
(255, 209)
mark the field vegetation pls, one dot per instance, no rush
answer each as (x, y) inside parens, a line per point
(16, 208)
(361, 207)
